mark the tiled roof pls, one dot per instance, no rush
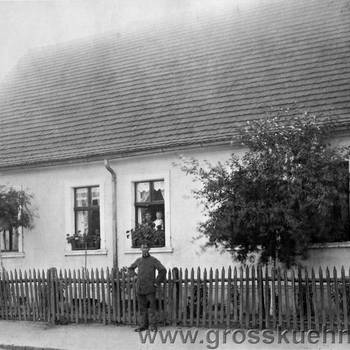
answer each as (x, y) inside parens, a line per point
(189, 84)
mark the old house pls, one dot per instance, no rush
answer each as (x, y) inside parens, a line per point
(92, 127)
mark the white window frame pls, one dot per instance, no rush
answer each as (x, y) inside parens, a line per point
(167, 218)
(15, 254)
(70, 186)
(20, 252)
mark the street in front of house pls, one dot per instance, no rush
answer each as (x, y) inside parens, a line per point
(24, 334)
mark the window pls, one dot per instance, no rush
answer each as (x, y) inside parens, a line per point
(149, 209)
(10, 240)
(86, 218)
(336, 224)
(340, 215)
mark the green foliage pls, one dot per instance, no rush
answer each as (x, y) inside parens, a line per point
(145, 233)
(15, 208)
(290, 189)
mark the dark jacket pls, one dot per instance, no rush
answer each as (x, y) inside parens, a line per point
(146, 274)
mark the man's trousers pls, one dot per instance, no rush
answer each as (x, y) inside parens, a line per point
(146, 300)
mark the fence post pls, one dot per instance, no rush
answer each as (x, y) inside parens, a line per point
(51, 288)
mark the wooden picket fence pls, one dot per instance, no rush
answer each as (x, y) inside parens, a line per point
(253, 297)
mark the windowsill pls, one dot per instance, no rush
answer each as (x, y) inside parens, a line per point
(330, 245)
(9, 255)
(88, 252)
(152, 250)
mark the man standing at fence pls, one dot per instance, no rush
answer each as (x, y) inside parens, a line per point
(146, 285)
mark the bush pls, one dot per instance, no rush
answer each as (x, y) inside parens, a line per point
(289, 190)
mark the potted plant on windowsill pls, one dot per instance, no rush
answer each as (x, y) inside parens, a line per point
(146, 233)
(80, 241)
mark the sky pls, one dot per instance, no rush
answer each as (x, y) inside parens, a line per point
(26, 25)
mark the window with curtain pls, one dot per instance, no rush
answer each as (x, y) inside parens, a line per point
(87, 218)
(149, 206)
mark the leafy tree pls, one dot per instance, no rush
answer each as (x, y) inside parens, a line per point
(290, 189)
(15, 209)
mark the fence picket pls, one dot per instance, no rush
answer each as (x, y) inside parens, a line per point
(128, 291)
(31, 297)
(17, 298)
(123, 289)
(314, 299)
(222, 296)
(27, 296)
(191, 303)
(60, 288)
(253, 309)
(209, 303)
(108, 299)
(210, 298)
(133, 280)
(273, 298)
(279, 297)
(301, 299)
(175, 294)
(6, 295)
(267, 299)
(84, 294)
(88, 294)
(76, 301)
(216, 297)
(70, 300)
(286, 298)
(180, 301)
(235, 296)
(21, 294)
(9, 295)
(261, 307)
(45, 294)
(247, 308)
(185, 298)
(228, 302)
(114, 296)
(35, 293)
(204, 297)
(336, 298)
(93, 296)
(345, 301)
(307, 300)
(329, 300)
(323, 309)
(198, 310)
(118, 295)
(241, 291)
(103, 298)
(80, 293)
(98, 296)
(170, 297)
(2, 298)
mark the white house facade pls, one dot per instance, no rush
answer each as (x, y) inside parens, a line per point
(92, 129)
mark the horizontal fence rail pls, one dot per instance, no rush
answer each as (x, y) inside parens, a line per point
(253, 297)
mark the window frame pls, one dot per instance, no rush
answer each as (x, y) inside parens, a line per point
(149, 203)
(70, 214)
(89, 209)
(19, 243)
(146, 177)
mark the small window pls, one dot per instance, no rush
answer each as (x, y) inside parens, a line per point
(86, 218)
(10, 240)
(149, 209)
